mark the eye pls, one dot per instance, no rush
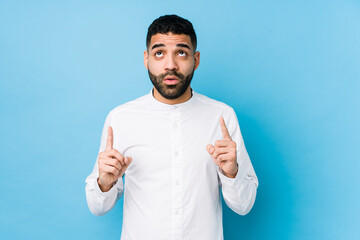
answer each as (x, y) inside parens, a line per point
(182, 53)
(158, 54)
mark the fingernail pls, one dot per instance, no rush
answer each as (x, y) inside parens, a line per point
(211, 150)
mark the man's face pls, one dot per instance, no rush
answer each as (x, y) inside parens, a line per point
(171, 61)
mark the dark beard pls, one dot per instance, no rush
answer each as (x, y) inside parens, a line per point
(171, 91)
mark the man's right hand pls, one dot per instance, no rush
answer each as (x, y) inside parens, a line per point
(112, 164)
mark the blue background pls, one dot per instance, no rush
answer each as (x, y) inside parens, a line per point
(290, 69)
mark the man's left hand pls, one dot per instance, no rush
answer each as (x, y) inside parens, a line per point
(224, 152)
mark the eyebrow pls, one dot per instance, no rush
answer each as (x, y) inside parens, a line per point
(183, 45)
(158, 45)
(163, 45)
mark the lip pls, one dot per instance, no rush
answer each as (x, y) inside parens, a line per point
(171, 80)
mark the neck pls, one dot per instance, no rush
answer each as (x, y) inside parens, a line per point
(183, 98)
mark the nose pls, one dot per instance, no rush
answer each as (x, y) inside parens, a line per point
(170, 63)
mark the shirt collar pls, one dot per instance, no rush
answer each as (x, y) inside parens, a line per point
(165, 106)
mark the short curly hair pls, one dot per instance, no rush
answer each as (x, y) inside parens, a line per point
(171, 24)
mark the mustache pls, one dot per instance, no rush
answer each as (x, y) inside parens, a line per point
(171, 73)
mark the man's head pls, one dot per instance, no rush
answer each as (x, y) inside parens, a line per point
(171, 24)
(171, 56)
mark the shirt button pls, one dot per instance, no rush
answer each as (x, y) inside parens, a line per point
(177, 183)
(177, 212)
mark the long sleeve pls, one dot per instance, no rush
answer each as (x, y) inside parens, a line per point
(239, 193)
(101, 202)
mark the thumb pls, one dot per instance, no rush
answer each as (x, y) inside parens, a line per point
(210, 148)
(127, 161)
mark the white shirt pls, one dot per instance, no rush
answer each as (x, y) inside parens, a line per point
(172, 187)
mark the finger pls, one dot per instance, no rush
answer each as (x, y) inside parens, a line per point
(110, 169)
(113, 153)
(119, 157)
(128, 161)
(113, 162)
(219, 151)
(224, 129)
(109, 140)
(223, 157)
(222, 143)
(210, 148)
(218, 163)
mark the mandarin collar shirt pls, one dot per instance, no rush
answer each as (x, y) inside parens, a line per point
(172, 189)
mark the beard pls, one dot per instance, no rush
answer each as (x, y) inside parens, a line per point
(171, 91)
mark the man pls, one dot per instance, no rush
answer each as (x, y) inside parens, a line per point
(175, 149)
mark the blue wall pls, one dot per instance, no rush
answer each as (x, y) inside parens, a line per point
(290, 69)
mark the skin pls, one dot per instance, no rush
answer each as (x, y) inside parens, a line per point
(224, 152)
(171, 52)
(168, 52)
(112, 164)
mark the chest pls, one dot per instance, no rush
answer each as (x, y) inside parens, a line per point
(160, 143)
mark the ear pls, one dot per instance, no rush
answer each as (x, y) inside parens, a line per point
(197, 59)
(146, 56)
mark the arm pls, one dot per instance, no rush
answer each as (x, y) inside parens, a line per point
(236, 174)
(104, 186)
(240, 192)
(100, 202)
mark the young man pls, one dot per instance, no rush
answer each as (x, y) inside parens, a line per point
(175, 148)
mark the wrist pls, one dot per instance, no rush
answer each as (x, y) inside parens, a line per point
(233, 174)
(103, 188)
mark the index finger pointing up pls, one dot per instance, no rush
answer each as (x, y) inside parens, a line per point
(224, 129)
(109, 140)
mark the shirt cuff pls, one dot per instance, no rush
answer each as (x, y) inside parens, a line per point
(231, 182)
(102, 194)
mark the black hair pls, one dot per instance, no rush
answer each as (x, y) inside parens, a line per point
(171, 24)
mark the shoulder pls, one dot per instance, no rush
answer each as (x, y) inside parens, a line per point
(214, 104)
(218, 109)
(130, 106)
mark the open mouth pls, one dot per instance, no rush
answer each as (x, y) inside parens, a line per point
(171, 80)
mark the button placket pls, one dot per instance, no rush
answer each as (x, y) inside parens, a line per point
(177, 169)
